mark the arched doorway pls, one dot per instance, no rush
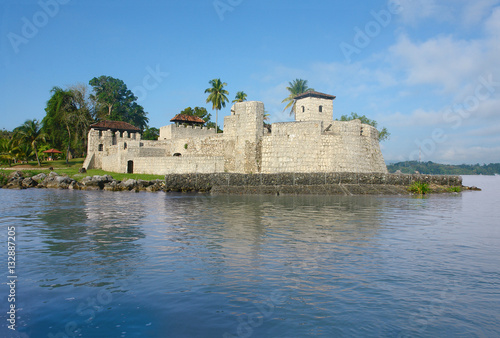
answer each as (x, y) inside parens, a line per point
(130, 167)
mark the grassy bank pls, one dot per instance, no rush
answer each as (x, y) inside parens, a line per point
(71, 169)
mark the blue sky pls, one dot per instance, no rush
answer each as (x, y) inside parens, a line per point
(428, 70)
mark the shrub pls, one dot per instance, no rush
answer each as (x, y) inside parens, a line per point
(419, 188)
(3, 180)
(455, 189)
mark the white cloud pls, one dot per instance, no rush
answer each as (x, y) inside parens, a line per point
(418, 117)
(475, 154)
(415, 11)
(492, 24)
(441, 61)
(458, 12)
(475, 12)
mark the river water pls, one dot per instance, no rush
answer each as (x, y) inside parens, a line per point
(108, 264)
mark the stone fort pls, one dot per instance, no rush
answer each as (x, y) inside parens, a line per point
(313, 143)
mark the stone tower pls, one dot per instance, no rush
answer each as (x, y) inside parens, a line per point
(314, 106)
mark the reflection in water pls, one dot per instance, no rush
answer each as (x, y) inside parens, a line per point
(155, 265)
(90, 236)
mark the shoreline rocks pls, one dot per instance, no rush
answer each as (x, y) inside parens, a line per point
(287, 184)
(18, 180)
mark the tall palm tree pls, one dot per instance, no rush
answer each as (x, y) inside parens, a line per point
(296, 87)
(30, 133)
(61, 113)
(240, 97)
(217, 96)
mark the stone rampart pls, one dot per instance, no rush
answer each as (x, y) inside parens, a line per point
(182, 131)
(305, 183)
(177, 165)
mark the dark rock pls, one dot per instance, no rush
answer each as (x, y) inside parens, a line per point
(74, 185)
(16, 174)
(141, 184)
(29, 182)
(39, 177)
(128, 184)
(14, 183)
(95, 182)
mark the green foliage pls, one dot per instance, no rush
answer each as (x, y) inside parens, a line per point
(201, 112)
(71, 169)
(431, 168)
(68, 117)
(185, 146)
(296, 87)
(240, 97)
(5, 134)
(3, 179)
(28, 136)
(6, 147)
(419, 188)
(383, 134)
(151, 133)
(217, 96)
(454, 189)
(116, 102)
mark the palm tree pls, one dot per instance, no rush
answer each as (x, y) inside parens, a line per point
(6, 150)
(217, 97)
(23, 152)
(69, 110)
(297, 87)
(240, 97)
(30, 134)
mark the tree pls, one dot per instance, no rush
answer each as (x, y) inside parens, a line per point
(297, 87)
(240, 97)
(23, 152)
(116, 102)
(5, 134)
(217, 96)
(30, 133)
(151, 133)
(201, 112)
(68, 110)
(383, 134)
(6, 150)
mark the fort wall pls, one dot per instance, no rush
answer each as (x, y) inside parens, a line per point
(313, 143)
(174, 131)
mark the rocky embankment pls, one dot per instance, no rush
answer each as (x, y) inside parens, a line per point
(228, 183)
(19, 180)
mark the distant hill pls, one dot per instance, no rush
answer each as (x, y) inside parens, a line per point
(431, 168)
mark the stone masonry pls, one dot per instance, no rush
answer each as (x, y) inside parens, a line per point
(314, 142)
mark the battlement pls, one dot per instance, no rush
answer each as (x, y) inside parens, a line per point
(174, 131)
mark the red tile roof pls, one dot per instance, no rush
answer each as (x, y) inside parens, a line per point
(187, 118)
(115, 125)
(313, 93)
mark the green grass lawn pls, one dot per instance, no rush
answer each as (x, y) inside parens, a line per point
(71, 169)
